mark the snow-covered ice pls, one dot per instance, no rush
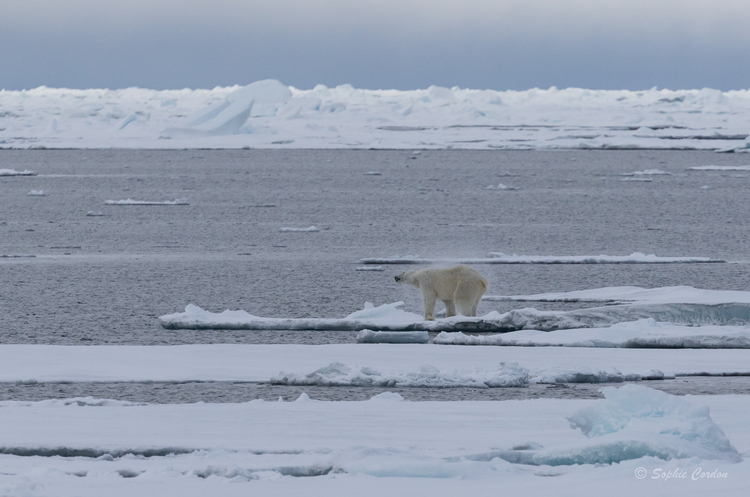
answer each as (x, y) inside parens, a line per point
(269, 114)
(501, 258)
(338, 374)
(620, 445)
(644, 333)
(130, 201)
(632, 317)
(260, 363)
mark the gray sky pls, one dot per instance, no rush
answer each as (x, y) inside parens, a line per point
(401, 44)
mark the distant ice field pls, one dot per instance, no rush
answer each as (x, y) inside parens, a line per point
(270, 115)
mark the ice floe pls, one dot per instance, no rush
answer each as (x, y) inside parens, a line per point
(720, 168)
(644, 333)
(369, 268)
(13, 172)
(501, 258)
(369, 336)
(670, 317)
(338, 374)
(502, 186)
(89, 446)
(130, 201)
(648, 172)
(309, 229)
(269, 114)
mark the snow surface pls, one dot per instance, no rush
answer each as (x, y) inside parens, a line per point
(383, 446)
(269, 114)
(501, 258)
(130, 201)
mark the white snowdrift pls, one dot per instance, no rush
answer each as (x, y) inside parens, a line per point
(269, 114)
(501, 258)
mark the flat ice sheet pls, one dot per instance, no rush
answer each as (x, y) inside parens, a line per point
(261, 363)
(383, 446)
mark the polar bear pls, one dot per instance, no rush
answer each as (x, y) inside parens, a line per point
(460, 286)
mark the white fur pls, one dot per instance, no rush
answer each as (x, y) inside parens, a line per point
(458, 287)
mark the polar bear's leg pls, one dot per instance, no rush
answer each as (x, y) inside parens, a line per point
(465, 297)
(429, 306)
(450, 308)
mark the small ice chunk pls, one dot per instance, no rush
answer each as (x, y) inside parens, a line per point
(309, 229)
(370, 268)
(502, 186)
(373, 173)
(13, 172)
(387, 397)
(130, 201)
(36, 193)
(95, 213)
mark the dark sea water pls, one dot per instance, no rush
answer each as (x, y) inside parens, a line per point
(105, 278)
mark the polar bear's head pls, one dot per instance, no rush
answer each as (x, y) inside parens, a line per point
(408, 278)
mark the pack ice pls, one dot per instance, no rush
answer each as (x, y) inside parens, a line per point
(269, 114)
